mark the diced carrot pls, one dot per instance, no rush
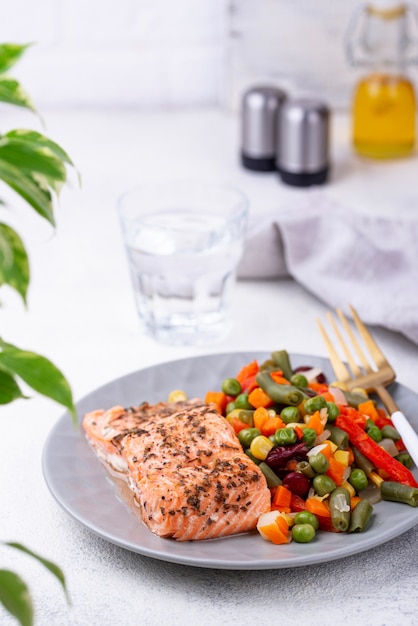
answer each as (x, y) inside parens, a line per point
(318, 387)
(368, 408)
(354, 501)
(316, 422)
(259, 398)
(351, 456)
(328, 396)
(273, 528)
(260, 416)
(247, 371)
(336, 471)
(279, 378)
(237, 424)
(326, 450)
(218, 398)
(270, 425)
(318, 507)
(282, 499)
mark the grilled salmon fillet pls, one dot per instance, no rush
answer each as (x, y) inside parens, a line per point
(186, 469)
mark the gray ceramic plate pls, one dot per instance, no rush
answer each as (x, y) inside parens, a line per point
(81, 486)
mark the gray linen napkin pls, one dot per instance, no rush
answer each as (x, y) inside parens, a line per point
(342, 256)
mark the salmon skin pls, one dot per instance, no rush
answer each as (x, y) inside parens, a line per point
(184, 466)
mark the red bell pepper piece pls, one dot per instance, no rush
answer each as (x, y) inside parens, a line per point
(377, 455)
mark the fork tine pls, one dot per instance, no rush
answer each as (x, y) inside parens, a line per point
(376, 353)
(338, 366)
(353, 365)
(354, 341)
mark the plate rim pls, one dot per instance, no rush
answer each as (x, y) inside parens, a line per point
(164, 553)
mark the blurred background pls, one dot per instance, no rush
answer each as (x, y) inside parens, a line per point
(162, 53)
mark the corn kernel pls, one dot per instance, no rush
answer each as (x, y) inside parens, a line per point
(342, 456)
(375, 478)
(332, 445)
(361, 391)
(340, 385)
(177, 396)
(260, 447)
(349, 488)
(233, 413)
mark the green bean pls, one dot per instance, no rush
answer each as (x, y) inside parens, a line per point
(339, 503)
(362, 461)
(314, 404)
(305, 468)
(360, 516)
(390, 433)
(282, 361)
(271, 477)
(396, 492)
(338, 436)
(252, 457)
(282, 394)
(354, 399)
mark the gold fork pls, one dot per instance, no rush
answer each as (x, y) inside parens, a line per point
(372, 379)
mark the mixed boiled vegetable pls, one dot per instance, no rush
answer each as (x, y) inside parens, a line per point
(327, 454)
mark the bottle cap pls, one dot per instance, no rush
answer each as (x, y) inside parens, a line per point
(303, 142)
(260, 107)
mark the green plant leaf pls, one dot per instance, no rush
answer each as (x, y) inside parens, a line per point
(32, 159)
(52, 567)
(12, 92)
(37, 139)
(29, 189)
(14, 596)
(39, 373)
(10, 53)
(9, 389)
(14, 262)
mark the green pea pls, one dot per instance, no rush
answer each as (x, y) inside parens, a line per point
(315, 404)
(405, 459)
(303, 533)
(246, 416)
(390, 433)
(290, 414)
(285, 436)
(323, 484)
(358, 479)
(373, 431)
(306, 517)
(299, 380)
(319, 463)
(241, 402)
(309, 436)
(229, 407)
(333, 411)
(246, 435)
(231, 386)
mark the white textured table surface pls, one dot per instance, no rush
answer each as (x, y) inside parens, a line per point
(81, 315)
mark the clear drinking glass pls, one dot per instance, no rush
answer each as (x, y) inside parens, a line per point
(183, 241)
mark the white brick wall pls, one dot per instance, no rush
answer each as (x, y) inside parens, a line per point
(147, 53)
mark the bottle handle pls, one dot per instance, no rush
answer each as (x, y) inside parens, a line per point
(351, 39)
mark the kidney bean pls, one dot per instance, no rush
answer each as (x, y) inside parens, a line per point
(297, 483)
(278, 457)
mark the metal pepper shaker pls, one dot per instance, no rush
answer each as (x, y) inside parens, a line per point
(303, 142)
(260, 109)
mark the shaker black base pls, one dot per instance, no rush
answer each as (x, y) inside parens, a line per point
(304, 180)
(258, 165)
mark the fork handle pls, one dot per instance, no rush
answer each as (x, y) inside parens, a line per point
(407, 433)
